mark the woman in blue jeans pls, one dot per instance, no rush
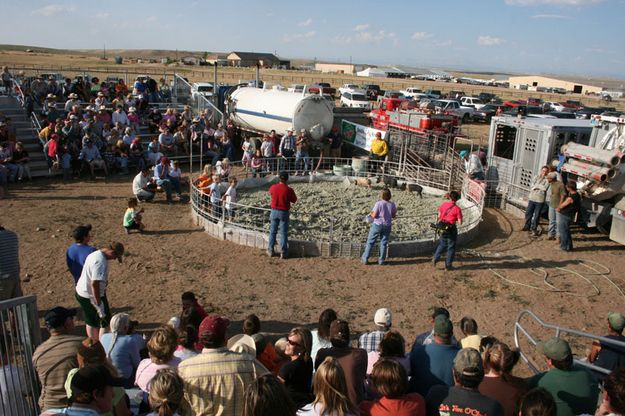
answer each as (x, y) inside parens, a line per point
(382, 215)
(566, 214)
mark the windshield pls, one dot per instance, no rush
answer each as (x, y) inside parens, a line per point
(205, 89)
(359, 97)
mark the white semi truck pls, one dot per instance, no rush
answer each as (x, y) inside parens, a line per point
(593, 153)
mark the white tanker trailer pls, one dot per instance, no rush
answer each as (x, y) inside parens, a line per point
(263, 110)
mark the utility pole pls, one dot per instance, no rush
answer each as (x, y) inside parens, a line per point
(104, 56)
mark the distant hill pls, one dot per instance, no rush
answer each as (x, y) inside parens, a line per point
(125, 53)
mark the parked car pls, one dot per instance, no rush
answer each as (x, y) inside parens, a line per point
(204, 89)
(553, 106)
(296, 88)
(524, 110)
(372, 91)
(488, 97)
(355, 99)
(349, 87)
(575, 104)
(486, 113)
(411, 91)
(472, 102)
(586, 112)
(456, 94)
(434, 93)
(562, 114)
(391, 94)
(535, 102)
(322, 88)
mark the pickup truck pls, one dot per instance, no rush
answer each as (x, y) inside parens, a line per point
(434, 94)
(453, 107)
(472, 102)
(391, 94)
(322, 88)
(411, 91)
(372, 90)
(350, 88)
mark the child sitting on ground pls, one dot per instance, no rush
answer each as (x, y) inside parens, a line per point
(132, 217)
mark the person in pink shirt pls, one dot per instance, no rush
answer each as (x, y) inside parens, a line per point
(449, 215)
(161, 348)
(381, 218)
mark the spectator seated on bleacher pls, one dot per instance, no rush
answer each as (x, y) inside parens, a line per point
(103, 115)
(119, 116)
(182, 138)
(161, 347)
(499, 383)
(90, 156)
(382, 320)
(166, 141)
(71, 102)
(133, 118)
(154, 120)
(135, 154)
(6, 161)
(427, 337)
(129, 136)
(154, 153)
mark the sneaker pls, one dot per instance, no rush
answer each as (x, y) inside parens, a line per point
(364, 261)
(269, 253)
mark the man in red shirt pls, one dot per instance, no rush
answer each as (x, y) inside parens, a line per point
(450, 214)
(282, 196)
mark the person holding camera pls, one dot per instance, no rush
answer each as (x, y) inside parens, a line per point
(449, 214)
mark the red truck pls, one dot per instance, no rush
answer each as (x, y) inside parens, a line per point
(322, 88)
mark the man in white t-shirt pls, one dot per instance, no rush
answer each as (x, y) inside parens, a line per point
(91, 288)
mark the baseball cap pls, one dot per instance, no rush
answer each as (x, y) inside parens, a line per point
(93, 377)
(118, 248)
(339, 331)
(81, 232)
(383, 317)
(214, 324)
(443, 326)
(55, 317)
(617, 321)
(468, 362)
(555, 348)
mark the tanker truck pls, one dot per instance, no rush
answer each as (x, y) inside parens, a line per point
(589, 152)
(262, 110)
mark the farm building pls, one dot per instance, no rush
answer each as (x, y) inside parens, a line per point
(217, 59)
(338, 68)
(248, 59)
(570, 85)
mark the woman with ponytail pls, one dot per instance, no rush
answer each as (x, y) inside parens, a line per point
(122, 349)
(330, 392)
(498, 382)
(166, 393)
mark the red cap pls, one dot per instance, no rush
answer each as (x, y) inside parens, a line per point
(214, 324)
(165, 160)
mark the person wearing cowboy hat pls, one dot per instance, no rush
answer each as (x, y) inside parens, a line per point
(72, 101)
(91, 288)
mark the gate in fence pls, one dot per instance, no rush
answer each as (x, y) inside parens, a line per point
(19, 335)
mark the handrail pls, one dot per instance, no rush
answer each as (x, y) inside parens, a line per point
(518, 328)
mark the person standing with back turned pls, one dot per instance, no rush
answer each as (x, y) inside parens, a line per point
(282, 196)
(450, 214)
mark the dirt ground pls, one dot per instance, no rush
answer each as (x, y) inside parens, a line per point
(175, 256)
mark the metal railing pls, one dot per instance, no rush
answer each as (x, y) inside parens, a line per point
(19, 336)
(519, 330)
(327, 228)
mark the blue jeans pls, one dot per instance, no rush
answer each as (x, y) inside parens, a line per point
(532, 215)
(281, 218)
(167, 184)
(553, 223)
(447, 242)
(564, 228)
(377, 230)
(302, 154)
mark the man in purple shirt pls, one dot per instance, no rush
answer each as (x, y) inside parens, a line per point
(78, 252)
(381, 216)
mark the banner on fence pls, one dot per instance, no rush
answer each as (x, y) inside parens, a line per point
(359, 135)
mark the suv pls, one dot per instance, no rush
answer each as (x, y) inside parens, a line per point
(487, 97)
(204, 89)
(472, 102)
(355, 99)
(434, 94)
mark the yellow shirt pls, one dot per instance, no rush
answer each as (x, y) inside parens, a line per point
(379, 147)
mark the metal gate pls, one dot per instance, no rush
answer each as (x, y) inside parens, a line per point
(558, 330)
(19, 336)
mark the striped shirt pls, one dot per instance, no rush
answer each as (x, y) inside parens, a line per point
(53, 361)
(215, 380)
(9, 255)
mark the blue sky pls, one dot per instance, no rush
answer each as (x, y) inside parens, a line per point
(548, 36)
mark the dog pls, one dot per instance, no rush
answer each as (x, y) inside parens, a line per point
(365, 182)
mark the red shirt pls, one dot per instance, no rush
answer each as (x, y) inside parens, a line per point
(282, 196)
(449, 212)
(409, 405)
